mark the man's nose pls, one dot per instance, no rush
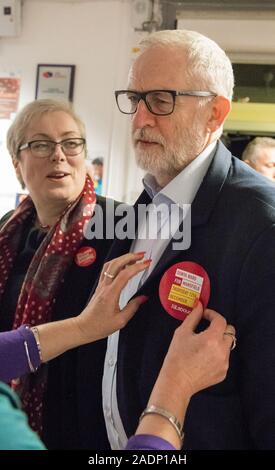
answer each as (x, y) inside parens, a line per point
(143, 117)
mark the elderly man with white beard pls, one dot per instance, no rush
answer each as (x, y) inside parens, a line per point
(178, 96)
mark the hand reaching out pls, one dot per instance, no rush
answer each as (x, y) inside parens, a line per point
(199, 359)
(102, 316)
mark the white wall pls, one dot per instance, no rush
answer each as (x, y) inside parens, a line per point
(96, 36)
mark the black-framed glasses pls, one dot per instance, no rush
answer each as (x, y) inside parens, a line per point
(45, 148)
(159, 102)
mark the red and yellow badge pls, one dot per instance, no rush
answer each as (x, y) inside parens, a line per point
(181, 285)
(85, 256)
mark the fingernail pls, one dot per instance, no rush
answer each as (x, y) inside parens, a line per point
(139, 253)
(143, 298)
(147, 261)
(196, 303)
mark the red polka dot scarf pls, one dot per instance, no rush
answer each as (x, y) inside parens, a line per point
(43, 278)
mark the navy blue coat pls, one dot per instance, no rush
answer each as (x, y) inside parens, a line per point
(233, 238)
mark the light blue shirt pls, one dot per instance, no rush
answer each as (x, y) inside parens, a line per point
(180, 191)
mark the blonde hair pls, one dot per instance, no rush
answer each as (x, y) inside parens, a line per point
(34, 110)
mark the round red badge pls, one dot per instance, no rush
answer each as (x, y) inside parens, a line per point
(181, 285)
(85, 256)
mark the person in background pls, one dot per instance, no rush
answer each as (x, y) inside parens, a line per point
(193, 362)
(19, 198)
(97, 174)
(178, 96)
(48, 268)
(260, 155)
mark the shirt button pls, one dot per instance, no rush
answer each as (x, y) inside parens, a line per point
(111, 362)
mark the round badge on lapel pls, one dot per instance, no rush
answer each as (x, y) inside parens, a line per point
(181, 285)
(85, 256)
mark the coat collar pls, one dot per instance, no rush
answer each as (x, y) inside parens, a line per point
(211, 186)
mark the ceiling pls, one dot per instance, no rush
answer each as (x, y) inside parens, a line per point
(223, 4)
(198, 4)
(81, 1)
(173, 9)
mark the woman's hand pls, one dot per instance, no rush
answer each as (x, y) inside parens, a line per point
(199, 360)
(194, 361)
(102, 316)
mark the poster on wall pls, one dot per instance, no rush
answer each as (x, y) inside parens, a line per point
(55, 82)
(9, 95)
(95, 168)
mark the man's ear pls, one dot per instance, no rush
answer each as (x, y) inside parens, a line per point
(220, 109)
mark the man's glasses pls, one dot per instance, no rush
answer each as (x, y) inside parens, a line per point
(45, 148)
(159, 102)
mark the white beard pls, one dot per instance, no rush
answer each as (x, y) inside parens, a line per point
(168, 158)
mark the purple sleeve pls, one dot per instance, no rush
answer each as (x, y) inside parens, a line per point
(13, 358)
(148, 442)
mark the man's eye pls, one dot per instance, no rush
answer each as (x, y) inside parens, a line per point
(160, 98)
(132, 98)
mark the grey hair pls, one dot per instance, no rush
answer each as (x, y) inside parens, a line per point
(252, 150)
(34, 110)
(209, 68)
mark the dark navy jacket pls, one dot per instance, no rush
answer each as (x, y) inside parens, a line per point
(233, 238)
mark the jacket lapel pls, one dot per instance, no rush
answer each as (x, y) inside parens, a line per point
(211, 186)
